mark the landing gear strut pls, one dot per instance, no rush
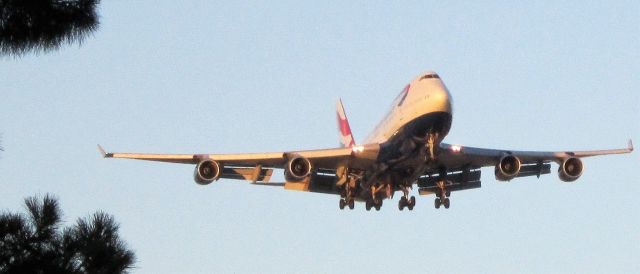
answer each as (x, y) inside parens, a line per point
(347, 197)
(432, 137)
(376, 201)
(405, 201)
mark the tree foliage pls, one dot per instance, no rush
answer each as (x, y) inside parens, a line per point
(44, 24)
(36, 243)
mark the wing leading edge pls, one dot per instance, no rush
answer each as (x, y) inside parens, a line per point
(327, 159)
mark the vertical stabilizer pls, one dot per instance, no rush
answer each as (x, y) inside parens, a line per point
(346, 138)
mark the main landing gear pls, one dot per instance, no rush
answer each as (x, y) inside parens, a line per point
(376, 200)
(377, 203)
(347, 202)
(443, 196)
(347, 198)
(446, 202)
(405, 201)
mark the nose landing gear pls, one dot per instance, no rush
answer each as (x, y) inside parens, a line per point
(432, 137)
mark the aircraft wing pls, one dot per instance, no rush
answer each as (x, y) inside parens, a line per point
(460, 156)
(463, 164)
(242, 165)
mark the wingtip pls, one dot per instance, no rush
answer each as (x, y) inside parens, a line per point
(104, 153)
(630, 145)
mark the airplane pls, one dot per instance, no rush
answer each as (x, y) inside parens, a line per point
(405, 149)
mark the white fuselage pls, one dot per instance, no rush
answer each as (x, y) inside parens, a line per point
(424, 95)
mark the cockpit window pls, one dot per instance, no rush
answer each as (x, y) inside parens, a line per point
(430, 76)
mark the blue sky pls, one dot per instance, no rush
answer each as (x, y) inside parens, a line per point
(244, 77)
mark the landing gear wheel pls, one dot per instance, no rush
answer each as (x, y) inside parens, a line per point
(448, 193)
(351, 203)
(411, 203)
(368, 205)
(402, 203)
(437, 203)
(378, 204)
(446, 203)
(342, 204)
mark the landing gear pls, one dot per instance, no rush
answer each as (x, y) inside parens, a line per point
(443, 193)
(346, 202)
(377, 204)
(442, 201)
(432, 137)
(405, 201)
(408, 203)
(373, 204)
(347, 196)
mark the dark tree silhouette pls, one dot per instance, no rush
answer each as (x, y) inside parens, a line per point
(44, 24)
(35, 243)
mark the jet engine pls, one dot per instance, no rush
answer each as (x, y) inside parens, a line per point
(570, 169)
(298, 168)
(207, 171)
(507, 168)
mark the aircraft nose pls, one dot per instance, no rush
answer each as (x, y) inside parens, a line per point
(441, 100)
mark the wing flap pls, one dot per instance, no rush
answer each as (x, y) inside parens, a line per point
(256, 174)
(458, 180)
(318, 183)
(454, 187)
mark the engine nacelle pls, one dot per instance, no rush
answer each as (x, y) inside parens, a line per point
(298, 168)
(570, 169)
(507, 168)
(207, 171)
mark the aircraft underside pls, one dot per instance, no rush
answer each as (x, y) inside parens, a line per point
(410, 154)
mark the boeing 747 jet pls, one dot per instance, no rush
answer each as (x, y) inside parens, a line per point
(405, 150)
